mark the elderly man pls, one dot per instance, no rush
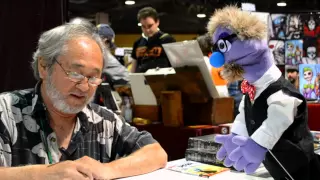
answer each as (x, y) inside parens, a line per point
(53, 132)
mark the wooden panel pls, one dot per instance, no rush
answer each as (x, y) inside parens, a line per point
(171, 106)
(188, 80)
(146, 112)
(222, 110)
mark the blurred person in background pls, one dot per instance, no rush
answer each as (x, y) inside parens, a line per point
(53, 132)
(148, 52)
(293, 76)
(114, 68)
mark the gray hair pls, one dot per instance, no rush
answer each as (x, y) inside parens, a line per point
(52, 43)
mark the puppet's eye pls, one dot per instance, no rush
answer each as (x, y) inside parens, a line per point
(224, 45)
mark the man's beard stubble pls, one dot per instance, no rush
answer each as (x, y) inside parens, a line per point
(292, 80)
(58, 100)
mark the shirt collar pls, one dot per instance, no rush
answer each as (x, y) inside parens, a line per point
(269, 77)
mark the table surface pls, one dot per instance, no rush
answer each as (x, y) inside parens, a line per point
(260, 174)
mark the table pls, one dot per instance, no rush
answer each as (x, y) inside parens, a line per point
(261, 174)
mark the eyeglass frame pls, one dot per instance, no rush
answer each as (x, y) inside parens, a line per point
(83, 77)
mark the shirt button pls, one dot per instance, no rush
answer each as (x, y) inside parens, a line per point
(252, 122)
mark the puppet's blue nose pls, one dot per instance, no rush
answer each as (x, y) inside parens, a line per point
(217, 59)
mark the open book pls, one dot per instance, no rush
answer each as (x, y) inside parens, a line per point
(197, 169)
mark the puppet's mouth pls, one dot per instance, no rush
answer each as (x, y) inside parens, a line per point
(232, 72)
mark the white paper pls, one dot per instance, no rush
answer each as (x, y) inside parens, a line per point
(188, 53)
(141, 92)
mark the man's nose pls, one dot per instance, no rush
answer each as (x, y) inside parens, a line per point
(83, 86)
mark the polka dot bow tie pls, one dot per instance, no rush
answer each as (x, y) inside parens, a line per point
(249, 89)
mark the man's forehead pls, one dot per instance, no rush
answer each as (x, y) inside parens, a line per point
(311, 48)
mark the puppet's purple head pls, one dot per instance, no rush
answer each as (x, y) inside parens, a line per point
(240, 45)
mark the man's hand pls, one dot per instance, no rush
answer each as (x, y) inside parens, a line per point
(248, 156)
(227, 147)
(99, 170)
(66, 170)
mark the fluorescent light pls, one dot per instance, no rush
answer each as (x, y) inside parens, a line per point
(282, 4)
(130, 2)
(248, 7)
(139, 24)
(201, 15)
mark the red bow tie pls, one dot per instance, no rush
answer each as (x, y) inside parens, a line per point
(246, 87)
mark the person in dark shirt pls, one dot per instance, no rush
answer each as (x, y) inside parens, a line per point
(147, 52)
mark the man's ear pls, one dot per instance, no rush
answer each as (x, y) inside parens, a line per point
(158, 22)
(42, 68)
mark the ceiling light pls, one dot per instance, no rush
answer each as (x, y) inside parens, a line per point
(139, 24)
(282, 4)
(201, 15)
(130, 2)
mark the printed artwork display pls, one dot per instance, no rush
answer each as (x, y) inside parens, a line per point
(278, 26)
(295, 44)
(311, 26)
(309, 80)
(310, 51)
(293, 52)
(294, 26)
(278, 50)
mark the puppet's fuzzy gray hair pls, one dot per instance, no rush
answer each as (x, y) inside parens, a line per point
(244, 24)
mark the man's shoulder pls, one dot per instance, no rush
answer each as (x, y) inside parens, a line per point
(16, 97)
(166, 37)
(103, 113)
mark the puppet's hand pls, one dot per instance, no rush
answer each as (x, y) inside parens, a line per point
(248, 155)
(227, 147)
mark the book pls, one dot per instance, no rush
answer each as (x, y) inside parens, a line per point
(203, 156)
(204, 142)
(197, 169)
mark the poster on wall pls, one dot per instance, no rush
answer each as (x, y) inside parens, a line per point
(309, 80)
(294, 26)
(311, 26)
(278, 24)
(293, 52)
(310, 51)
(277, 49)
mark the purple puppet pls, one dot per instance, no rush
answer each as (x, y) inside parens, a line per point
(271, 127)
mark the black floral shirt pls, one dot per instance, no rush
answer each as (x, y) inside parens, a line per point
(99, 133)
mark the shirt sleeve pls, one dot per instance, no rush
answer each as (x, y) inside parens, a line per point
(281, 112)
(6, 130)
(128, 139)
(239, 125)
(133, 53)
(5, 151)
(168, 39)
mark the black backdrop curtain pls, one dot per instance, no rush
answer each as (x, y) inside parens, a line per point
(21, 23)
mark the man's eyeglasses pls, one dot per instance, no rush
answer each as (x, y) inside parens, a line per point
(77, 78)
(224, 44)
